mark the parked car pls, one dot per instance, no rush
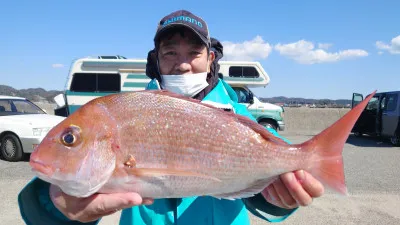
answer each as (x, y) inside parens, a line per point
(23, 125)
(380, 117)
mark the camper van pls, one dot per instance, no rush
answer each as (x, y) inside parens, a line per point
(90, 78)
(381, 117)
(242, 76)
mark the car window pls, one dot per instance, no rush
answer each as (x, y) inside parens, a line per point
(93, 82)
(391, 102)
(243, 71)
(373, 104)
(243, 95)
(5, 105)
(26, 107)
(383, 103)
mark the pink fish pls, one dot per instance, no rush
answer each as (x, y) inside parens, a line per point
(162, 145)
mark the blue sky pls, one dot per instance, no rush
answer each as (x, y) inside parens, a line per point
(319, 49)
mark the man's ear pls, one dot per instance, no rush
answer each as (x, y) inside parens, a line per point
(211, 58)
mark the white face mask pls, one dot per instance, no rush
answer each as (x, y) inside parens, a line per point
(188, 84)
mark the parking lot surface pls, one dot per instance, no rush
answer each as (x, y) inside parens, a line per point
(372, 168)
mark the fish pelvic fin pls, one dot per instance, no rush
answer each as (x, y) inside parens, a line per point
(328, 146)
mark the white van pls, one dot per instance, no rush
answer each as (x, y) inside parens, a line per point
(90, 78)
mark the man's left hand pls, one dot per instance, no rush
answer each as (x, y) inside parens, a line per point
(293, 189)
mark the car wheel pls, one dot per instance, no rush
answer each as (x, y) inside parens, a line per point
(268, 124)
(11, 149)
(395, 140)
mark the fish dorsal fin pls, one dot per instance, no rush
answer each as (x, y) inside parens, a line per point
(178, 96)
(242, 119)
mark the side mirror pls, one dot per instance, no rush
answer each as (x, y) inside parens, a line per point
(251, 98)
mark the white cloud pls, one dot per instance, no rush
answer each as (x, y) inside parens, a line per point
(248, 50)
(304, 52)
(57, 65)
(325, 46)
(393, 47)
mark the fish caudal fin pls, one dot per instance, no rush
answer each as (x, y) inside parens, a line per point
(328, 165)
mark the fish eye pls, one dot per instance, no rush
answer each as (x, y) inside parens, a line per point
(68, 139)
(71, 136)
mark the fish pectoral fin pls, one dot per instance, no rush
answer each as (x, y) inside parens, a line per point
(155, 172)
(131, 162)
(250, 191)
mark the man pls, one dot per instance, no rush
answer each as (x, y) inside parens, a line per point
(184, 61)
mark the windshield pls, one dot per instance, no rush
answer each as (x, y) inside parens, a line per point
(18, 107)
(256, 96)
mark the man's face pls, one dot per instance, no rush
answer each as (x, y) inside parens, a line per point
(183, 54)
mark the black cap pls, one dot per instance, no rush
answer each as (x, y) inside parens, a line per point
(186, 19)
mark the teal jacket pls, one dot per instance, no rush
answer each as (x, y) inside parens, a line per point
(37, 208)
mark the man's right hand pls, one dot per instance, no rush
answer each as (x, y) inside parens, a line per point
(95, 206)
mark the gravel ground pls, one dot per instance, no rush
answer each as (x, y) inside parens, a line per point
(372, 178)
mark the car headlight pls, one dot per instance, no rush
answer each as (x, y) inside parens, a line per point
(40, 131)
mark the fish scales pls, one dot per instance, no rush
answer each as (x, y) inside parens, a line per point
(187, 135)
(196, 152)
(162, 145)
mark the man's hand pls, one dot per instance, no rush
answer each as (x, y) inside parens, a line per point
(93, 207)
(293, 189)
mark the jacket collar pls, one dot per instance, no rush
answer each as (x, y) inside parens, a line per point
(222, 96)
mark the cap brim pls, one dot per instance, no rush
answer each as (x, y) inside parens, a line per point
(169, 26)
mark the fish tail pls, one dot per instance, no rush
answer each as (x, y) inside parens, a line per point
(328, 146)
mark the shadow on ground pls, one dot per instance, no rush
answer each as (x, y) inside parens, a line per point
(368, 141)
(26, 157)
(363, 141)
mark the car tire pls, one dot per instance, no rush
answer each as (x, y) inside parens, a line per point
(269, 124)
(395, 140)
(11, 149)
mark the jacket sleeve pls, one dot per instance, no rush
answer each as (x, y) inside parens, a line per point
(257, 205)
(37, 208)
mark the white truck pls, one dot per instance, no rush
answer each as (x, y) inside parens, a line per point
(90, 78)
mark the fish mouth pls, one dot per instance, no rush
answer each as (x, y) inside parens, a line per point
(41, 167)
